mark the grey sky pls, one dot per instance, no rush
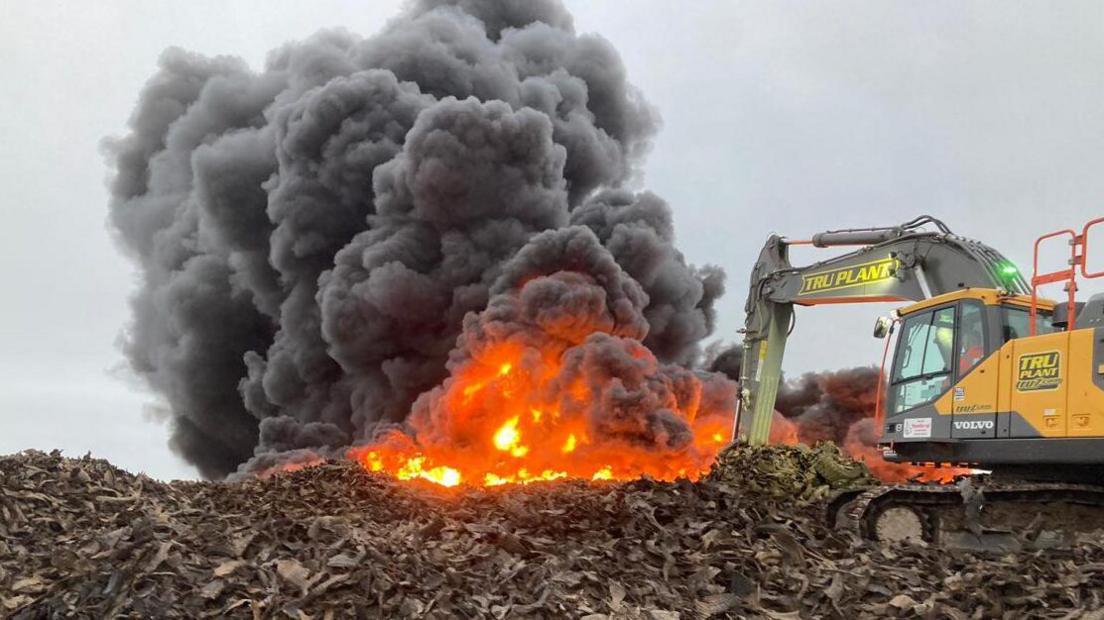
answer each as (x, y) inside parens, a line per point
(788, 117)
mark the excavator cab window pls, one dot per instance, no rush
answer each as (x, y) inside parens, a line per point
(1017, 323)
(971, 342)
(925, 358)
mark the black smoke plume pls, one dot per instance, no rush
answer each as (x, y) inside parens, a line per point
(836, 406)
(829, 406)
(310, 236)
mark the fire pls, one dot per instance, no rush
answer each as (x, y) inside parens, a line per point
(516, 414)
(903, 472)
(508, 439)
(553, 380)
(783, 431)
(415, 468)
(508, 417)
(569, 444)
(290, 467)
(602, 474)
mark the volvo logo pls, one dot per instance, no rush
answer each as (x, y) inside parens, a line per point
(974, 425)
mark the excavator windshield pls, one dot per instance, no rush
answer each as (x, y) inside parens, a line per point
(925, 358)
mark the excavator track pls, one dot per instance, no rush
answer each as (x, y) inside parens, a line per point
(977, 513)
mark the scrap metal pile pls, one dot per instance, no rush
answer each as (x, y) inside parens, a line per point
(78, 536)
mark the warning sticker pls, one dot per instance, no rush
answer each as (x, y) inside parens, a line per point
(762, 361)
(960, 393)
(917, 428)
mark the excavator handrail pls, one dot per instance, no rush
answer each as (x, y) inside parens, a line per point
(1085, 250)
(1062, 275)
(1079, 252)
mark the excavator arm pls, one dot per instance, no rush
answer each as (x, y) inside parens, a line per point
(910, 262)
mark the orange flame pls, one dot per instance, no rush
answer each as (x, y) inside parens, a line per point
(887, 471)
(508, 417)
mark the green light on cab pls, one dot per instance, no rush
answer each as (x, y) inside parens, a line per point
(1009, 270)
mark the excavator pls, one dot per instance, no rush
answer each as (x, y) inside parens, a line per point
(986, 374)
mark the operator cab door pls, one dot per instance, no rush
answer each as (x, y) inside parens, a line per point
(922, 370)
(973, 400)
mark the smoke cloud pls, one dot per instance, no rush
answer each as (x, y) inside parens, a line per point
(829, 406)
(314, 237)
(837, 406)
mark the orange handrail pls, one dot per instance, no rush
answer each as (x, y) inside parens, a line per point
(1085, 250)
(1079, 251)
(1038, 279)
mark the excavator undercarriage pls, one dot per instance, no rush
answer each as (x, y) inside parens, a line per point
(978, 513)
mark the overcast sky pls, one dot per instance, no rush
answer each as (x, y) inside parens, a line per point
(787, 117)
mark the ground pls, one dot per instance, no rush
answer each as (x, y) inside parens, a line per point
(78, 536)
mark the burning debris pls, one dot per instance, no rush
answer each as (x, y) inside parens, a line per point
(81, 537)
(371, 241)
(834, 406)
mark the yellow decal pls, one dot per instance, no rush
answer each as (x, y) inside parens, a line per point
(973, 409)
(876, 271)
(762, 361)
(1038, 371)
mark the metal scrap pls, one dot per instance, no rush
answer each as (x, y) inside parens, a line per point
(338, 541)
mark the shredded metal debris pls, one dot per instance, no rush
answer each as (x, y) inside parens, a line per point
(795, 472)
(80, 537)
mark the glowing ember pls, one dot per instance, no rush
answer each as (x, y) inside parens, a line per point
(415, 468)
(569, 444)
(290, 466)
(508, 439)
